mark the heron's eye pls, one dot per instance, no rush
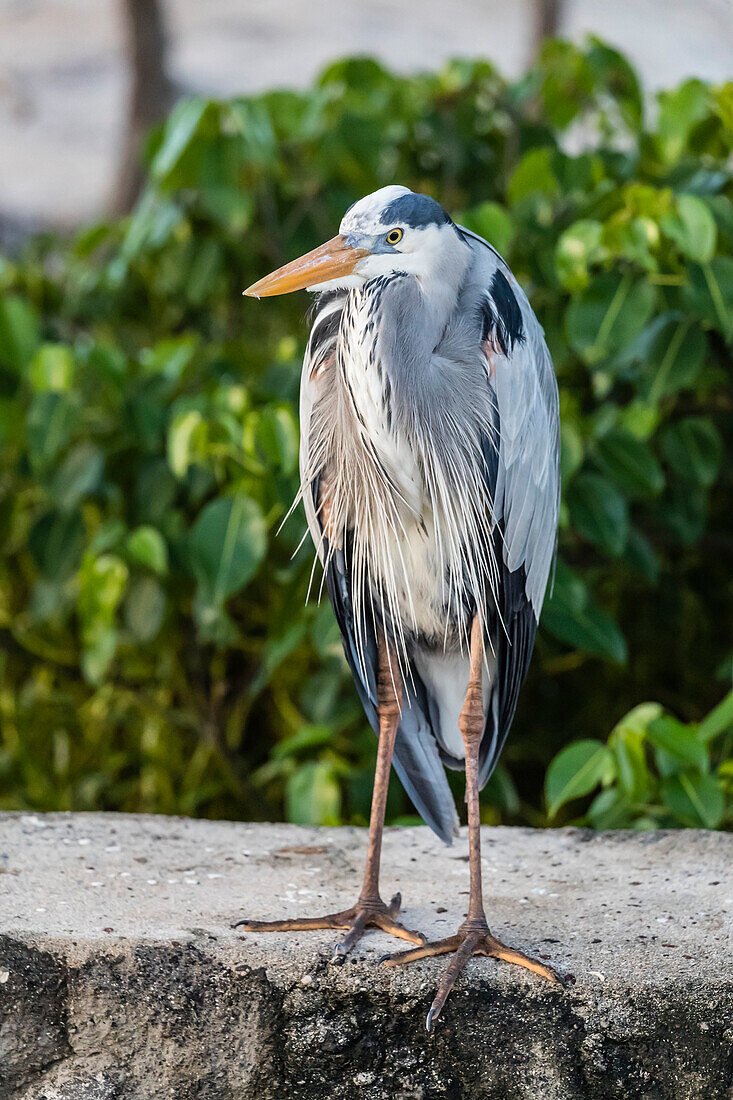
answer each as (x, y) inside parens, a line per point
(394, 236)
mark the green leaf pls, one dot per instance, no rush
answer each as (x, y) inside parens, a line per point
(500, 791)
(102, 583)
(19, 333)
(598, 512)
(230, 206)
(673, 359)
(56, 542)
(214, 624)
(578, 247)
(155, 491)
(51, 420)
(146, 546)
(204, 271)
(533, 175)
(609, 810)
(180, 440)
(52, 369)
(276, 438)
(571, 615)
(571, 450)
(306, 738)
(576, 771)
(695, 800)
(326, 634)
(627, 746)
(78, 476)
(637, 720)
(683, 511)
(692, 228)
(709, 293)
(679, 741)
(180, 130)
(630, 463)
(641, 556)
(492, 222)
(680, 110)
(170, 357)
(694, 449)
(718, 721)
(144, 608)
(226, 545)
(619, 80)
(276, 650)
(608, 316)
(313, 795)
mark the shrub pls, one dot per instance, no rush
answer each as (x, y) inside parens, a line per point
(158, 650)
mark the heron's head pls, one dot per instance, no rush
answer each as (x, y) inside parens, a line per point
(391, 230)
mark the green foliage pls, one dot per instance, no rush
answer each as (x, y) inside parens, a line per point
(654, 772)
(158, 652)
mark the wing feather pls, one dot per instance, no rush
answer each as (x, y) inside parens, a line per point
(523, 481)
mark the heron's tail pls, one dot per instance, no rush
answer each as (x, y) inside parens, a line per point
(420, 768)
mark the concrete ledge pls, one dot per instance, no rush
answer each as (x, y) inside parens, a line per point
(120, 976)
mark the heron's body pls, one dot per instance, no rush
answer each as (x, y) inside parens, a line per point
(418, 418)
(430, 478)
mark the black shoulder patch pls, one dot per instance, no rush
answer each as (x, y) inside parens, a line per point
(414, 210)
(508, 323)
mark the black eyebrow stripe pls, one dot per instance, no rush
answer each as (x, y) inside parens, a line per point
(416, 211)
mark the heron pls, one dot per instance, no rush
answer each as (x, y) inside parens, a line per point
(429, 469)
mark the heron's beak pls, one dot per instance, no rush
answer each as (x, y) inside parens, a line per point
(331, 260)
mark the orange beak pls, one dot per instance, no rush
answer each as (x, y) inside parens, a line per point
(331, 260)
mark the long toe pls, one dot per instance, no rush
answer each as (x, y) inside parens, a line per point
(426, 951)
(453, 969)
(296, 924)
(395, 928)
(498, 950)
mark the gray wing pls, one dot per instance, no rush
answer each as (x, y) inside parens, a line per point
(523, 479)
(417, 759)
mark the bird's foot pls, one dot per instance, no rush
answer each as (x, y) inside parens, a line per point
(367, 913)
(471, 939)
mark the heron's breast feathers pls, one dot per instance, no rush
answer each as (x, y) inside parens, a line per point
(403, 476)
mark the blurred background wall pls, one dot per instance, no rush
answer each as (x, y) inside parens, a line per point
(67, 85)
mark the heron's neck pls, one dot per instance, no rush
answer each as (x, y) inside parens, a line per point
(439, 291)
(390, 331)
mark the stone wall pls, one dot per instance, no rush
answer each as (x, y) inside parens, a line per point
(121, 977)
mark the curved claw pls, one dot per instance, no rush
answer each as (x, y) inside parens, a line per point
(351, 937)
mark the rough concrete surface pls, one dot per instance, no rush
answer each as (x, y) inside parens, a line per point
(120, 976)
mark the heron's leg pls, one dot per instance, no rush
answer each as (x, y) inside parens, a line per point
(370, 911)
(473, 936)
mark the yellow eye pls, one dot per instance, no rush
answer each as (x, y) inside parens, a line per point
(394, 236)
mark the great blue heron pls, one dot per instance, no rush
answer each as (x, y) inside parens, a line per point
(430, 478)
